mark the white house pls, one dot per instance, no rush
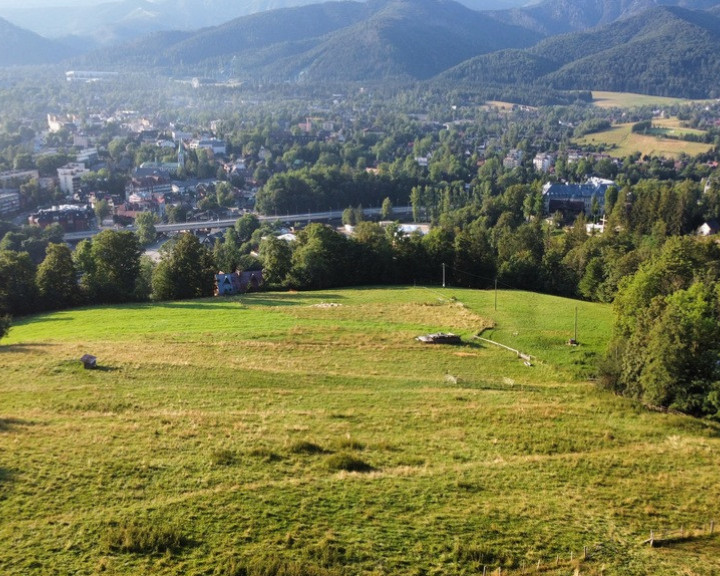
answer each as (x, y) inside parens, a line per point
(69, 177)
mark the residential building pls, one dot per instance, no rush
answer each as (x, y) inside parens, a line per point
(69, 177)
(72, 218)
(235, 283)
(57, 123)
(9, 202)
(513, 159)
(543, 162)
(16, 178)
(146, 187)
(87, 157)
(179, 135)
(218, 147)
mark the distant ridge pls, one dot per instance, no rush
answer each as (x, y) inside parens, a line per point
(20, 47)
(113, 21)
(339, 41)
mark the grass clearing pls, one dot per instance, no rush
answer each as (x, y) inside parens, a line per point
(268, 435)
(619, 141)
(629, 100)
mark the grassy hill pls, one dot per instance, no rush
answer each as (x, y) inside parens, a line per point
(309, 433)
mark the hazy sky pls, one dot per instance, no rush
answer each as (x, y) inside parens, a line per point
(38, 3)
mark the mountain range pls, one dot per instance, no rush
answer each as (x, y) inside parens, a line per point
(650, 46)
(121, 20)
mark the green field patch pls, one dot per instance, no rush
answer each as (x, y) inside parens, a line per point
(275, 434)
(630, 100)
(620, 141)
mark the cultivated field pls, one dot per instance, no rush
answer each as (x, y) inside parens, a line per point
(310, 434)
(620, 141)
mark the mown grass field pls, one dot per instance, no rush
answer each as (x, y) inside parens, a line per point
(309, 433)
(631, 100)
(619, 141)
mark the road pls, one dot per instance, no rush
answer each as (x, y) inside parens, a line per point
(227, 223)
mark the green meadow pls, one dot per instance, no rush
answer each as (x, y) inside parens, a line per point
(630, 100)
(620, 141)
(310, 434)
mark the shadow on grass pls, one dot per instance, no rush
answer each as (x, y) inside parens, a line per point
(193, 305)
(41, 319)
(5, 476)
(9, 423)
(289, 298)
(678, 540)
(25, 347)
(100, 368)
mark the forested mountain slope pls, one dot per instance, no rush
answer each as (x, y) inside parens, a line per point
(553, 17)
(667, 51)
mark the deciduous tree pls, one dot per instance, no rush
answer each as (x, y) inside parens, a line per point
(187, 271)
(57, 279)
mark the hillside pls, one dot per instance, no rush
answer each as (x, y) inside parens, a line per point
(310, 434)
(337, 41)
(553, 17)
(415, 39)
(665, 51)
(668, 52)
(19, 47)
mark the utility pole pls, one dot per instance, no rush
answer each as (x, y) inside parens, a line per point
(443, 274)
(576, 325)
